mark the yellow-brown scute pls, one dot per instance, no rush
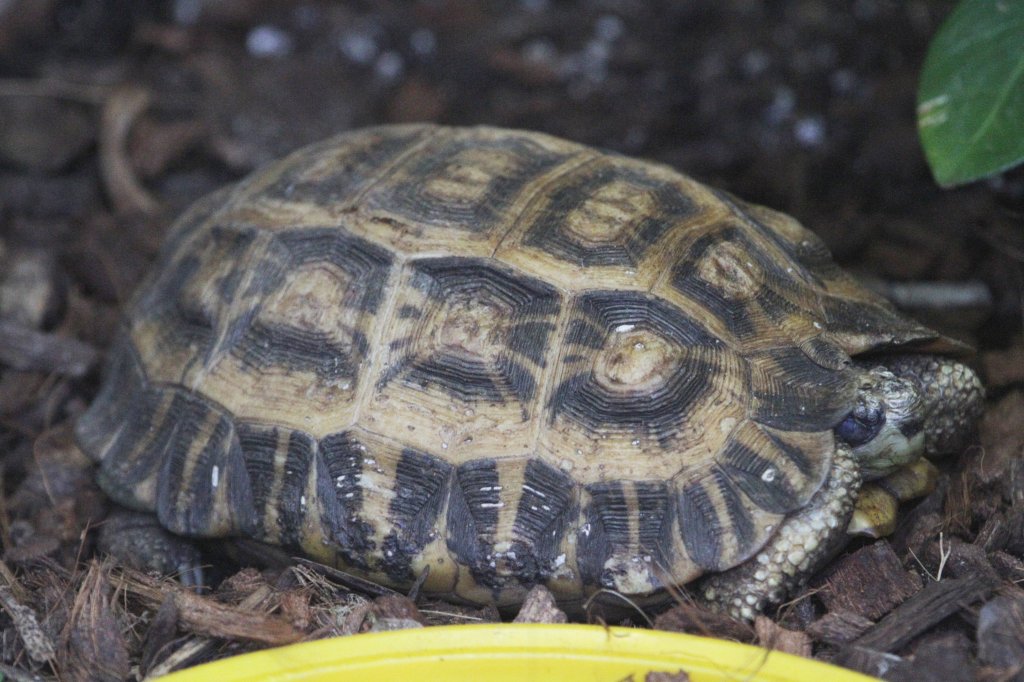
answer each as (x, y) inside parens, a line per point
(637, 362)
(472, 328)
(500, 355)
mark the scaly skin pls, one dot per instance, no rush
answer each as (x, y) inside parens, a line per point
(803, 543)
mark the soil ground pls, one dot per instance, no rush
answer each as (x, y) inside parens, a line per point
(116, 114)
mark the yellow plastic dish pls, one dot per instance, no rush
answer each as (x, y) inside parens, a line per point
(506, 652)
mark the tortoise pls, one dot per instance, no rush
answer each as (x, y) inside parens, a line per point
(488, 359)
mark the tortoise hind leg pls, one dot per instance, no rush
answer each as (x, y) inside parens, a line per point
(804, 541)
(137, 540)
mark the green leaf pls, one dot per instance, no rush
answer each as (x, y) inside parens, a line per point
(970, 104)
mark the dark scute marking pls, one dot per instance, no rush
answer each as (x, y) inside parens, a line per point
(163, 297)
(541, 519)
(741, 526)
(610, 309)
(584, 333)
(776, 307)
(605, 529)
(530, 339)
(746, 469)
(659, 413)
(608, 518)
(519, 379)
(700, 526)
(473, 519)
(807, 466)
(467, 379)
(549, 232)
(341, 495)
(366, 264)
(880, 326)
(274, 345)
(445, 277)
(654, 521)
(291, 513)
(407, 311)
(259, 450)
(139, 448)
(482, 213)
(192, 512)
(359, 161)
(796, 394)
(422, 483)
(187, 413)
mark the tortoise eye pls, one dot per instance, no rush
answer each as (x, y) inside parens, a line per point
(860, 426)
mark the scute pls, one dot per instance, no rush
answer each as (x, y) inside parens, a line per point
(494, 355)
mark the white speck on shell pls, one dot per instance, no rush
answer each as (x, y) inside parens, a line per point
(215, 476)
(534, 491)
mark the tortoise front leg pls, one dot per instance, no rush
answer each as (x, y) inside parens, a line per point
(804, 541)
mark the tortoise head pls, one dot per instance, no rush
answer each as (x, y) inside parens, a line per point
(912, 406)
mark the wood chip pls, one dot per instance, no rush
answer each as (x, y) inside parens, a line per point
(392, 612)
(120, 111)
(926, 608)
(667, 676)
(96, 647)
(205, 616)
(540, 607)
(38, 644)
(942, 656)
(961, 559)
(1009, 567)
(772, 636)
(1002, 441)
(25, 349)
(1004, 367)
(867, 661)
(1001, 631)
(869, 582)
(839, 627)
(32, 291)
(160, 636)
(693, 620)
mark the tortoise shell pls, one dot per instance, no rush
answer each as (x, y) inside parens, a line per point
(499, 355)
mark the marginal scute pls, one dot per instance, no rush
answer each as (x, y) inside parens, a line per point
(791, 392)
(720, 530)
(626, 541)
